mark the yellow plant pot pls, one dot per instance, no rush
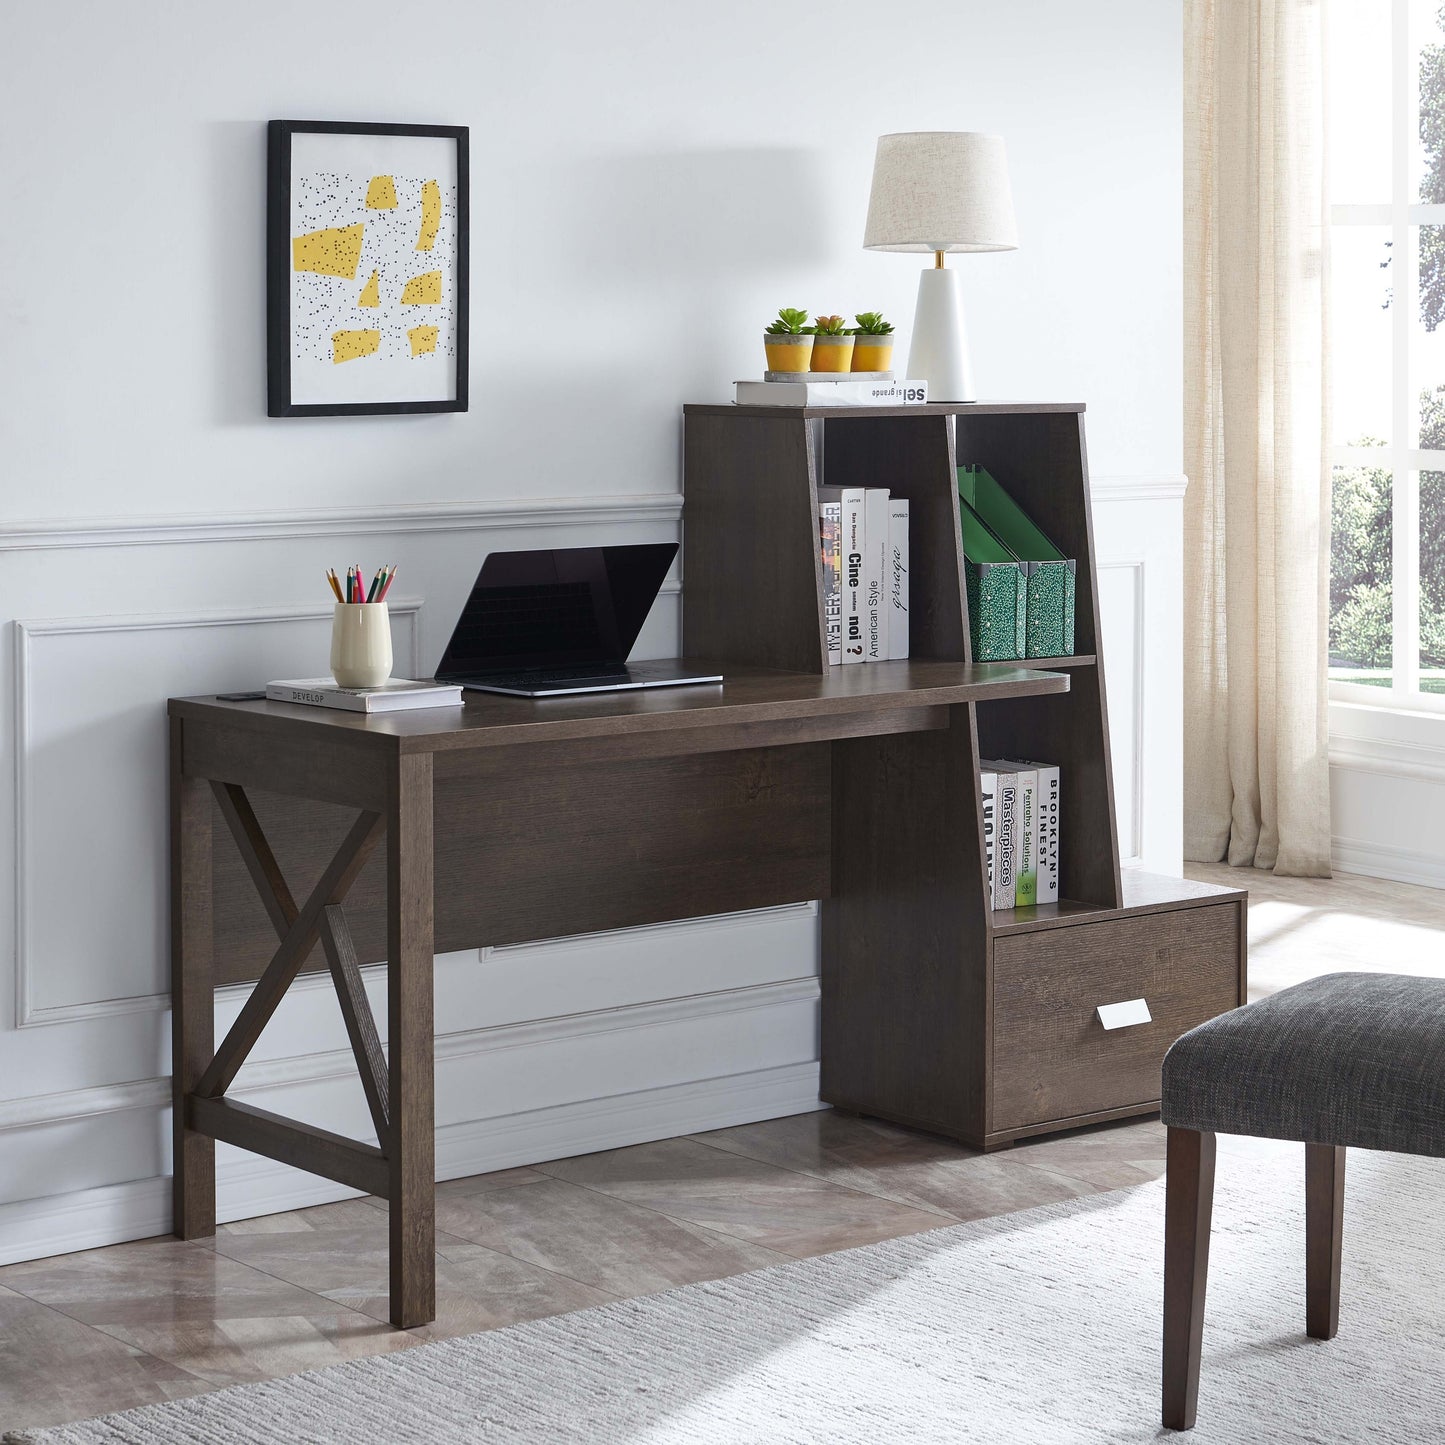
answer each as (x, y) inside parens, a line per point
(872, 353)
(788, 353)
(832, 353)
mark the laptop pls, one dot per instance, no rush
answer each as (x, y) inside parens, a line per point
(562, 620)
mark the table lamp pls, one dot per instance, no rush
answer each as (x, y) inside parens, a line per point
(940, 191)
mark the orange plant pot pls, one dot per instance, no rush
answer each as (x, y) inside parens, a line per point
(872, 353)
(788, 353)
(832, 353)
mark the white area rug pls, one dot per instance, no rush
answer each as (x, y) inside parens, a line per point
(1037, 1327)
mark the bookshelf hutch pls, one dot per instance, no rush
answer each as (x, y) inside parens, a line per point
(938, 1011)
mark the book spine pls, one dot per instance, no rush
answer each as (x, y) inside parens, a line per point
(830, 527)
(1048, 846)
(854, 516)
(875, 609)
(1026, 876)
(898, 577)
(989, 790)
(1005, 891)
(311, 697)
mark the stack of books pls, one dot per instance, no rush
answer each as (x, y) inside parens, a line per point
(863, 535)
(1021, 831)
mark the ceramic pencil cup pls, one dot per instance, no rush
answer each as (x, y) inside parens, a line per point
(360, 644)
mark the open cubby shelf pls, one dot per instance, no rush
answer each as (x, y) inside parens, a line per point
(938, 1011)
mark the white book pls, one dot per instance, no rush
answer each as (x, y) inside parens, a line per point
(897, 580)
(1046, 847)
(830, 393)
(396, 695)
(830, 531)
(1026, 813)
(854, 521)
(875, 571)
(1005, 852)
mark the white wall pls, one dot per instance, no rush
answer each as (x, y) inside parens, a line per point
(650, 182)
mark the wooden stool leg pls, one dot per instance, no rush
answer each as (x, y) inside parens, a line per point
(1188, 1201)
(1324, 1237)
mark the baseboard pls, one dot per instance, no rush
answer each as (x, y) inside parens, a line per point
(248, 1186)
(86, 1219)
(1379, 860)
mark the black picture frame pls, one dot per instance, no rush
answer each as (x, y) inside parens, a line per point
(278, 268)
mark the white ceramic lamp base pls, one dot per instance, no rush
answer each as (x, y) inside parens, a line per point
(939, 353)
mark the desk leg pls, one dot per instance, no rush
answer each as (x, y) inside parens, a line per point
(409, 1011)
(192, 996)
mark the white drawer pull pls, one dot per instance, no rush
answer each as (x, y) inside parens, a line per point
(1122, 1015)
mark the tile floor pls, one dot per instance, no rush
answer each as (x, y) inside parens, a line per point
(109, 1329)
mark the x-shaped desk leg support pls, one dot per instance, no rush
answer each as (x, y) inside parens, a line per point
(399, 1167)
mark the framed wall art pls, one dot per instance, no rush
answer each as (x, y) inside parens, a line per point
(366, 268)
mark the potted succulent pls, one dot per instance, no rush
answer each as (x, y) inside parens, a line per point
(789, 342)
(832, 344)
(872, 342)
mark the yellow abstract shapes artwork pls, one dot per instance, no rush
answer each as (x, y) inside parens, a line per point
(349, 345)
(381, 194)
(371, 292)
(431, 215)
(423, 339)
(332, 252)
(423, 290)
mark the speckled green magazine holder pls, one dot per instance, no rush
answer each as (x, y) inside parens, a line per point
(1050, 580)
(994, 583)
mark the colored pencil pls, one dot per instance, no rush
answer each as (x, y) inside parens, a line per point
(386, 586)
(375, 583)
(334, 584)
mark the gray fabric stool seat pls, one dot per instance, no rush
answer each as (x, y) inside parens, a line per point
(1351, 1060)
(1356, 1059)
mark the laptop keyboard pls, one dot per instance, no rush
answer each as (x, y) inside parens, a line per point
(542, 676)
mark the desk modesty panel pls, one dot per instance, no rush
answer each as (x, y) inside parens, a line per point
(567, 815)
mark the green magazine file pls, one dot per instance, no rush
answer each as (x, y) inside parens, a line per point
(994, 582)
(1049, 575)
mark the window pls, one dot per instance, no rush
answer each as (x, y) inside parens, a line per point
(1386, 97)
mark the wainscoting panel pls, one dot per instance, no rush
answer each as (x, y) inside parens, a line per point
(1138, 524)
(1121, 610)
(90, 785)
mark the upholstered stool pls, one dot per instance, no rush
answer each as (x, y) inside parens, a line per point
(1351, 1060)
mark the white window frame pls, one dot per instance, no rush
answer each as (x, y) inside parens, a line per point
(1402, 457)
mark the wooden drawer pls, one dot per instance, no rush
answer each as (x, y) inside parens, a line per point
(1053, 1059)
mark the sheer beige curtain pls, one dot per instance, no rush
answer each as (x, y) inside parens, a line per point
(1255, 419)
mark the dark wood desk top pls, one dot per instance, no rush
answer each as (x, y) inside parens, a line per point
(747, 695)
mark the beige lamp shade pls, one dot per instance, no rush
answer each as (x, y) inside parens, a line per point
(940, 190)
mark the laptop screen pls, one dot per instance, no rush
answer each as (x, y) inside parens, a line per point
(555, 608)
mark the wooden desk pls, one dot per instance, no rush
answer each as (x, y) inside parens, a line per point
(504, 820)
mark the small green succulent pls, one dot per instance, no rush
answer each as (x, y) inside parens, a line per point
(871, 323)
(789, 323)
(829, 326)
